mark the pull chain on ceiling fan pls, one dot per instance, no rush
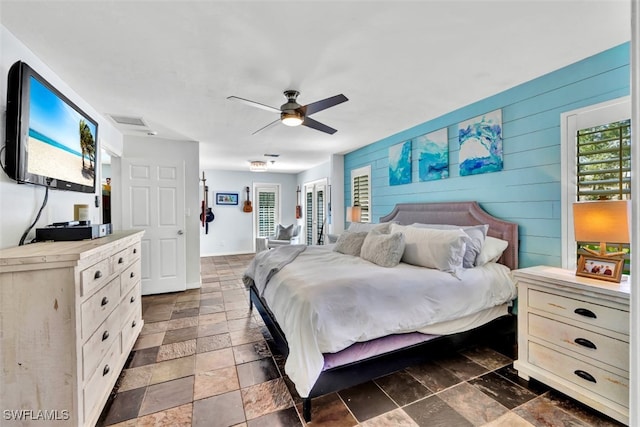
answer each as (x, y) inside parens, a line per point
(294, 114)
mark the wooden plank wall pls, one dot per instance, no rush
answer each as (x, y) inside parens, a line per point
(527, 190)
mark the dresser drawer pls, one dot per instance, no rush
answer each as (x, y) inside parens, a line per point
(589, 377)
(583, 311)
(130, 277)
(96, 309)
(130, 303)
(596, 346)
(100, 382)
(125, 257)
(94, 349)
(131, 330)
(94, 277)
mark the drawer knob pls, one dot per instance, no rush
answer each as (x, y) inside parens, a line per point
(585, 375)
(106, 370)
(105, 335)
(105, 301)
(120, 260)
(133, 324)
(135, 251)
(132, 275)
(97, 275)
(585, 312)
(585, 343)
(132, 300)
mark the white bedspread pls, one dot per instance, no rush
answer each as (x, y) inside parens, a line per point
(325, 301)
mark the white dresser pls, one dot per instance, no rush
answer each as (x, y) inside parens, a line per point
(573, 335)
(70, 313)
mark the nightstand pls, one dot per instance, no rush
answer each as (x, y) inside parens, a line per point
(573, 335)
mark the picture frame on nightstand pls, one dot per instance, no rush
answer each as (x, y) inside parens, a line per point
(601, 268)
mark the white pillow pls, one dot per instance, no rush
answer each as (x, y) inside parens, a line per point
(350, 242)
(383, 249)
(491, 250)
(476, 233)
(433, 248)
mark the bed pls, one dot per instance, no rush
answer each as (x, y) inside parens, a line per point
(357, 321)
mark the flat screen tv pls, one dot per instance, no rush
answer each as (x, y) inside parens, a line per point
(49, 140)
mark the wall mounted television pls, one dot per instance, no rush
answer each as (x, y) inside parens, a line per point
(49, 140)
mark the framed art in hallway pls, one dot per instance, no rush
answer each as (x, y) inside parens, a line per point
(226, 198)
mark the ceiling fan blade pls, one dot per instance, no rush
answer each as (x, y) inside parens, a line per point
(255, 104)
(314, 107)
(264, 127)
(314, 124)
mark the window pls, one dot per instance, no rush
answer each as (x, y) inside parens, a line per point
(267, 209)
(361, 190)
(596, 165)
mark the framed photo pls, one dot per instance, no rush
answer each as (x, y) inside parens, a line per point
(602, 268)
(226, 198)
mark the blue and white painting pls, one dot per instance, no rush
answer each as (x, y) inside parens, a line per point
(432, 150)
(481, 144)
(400, 163)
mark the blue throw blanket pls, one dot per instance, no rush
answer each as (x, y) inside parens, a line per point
(267, 263)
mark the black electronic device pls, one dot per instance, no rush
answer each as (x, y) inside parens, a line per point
(50, 141)
(72, 232)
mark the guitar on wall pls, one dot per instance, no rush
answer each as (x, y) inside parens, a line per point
(298, 207)
(247, 203)
(206, 215)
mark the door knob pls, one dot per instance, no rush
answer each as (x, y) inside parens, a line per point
(180, 232)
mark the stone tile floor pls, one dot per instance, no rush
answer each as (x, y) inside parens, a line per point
(203, 359)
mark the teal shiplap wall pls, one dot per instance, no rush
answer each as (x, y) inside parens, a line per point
(527, 190)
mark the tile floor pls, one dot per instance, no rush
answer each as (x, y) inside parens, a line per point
(203, 359)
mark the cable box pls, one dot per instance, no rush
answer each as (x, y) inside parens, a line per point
(72, 232)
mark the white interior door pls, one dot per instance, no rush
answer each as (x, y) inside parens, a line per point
(154, 200)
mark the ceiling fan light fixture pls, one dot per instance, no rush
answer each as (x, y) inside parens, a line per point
(258, 166)
(291, 118)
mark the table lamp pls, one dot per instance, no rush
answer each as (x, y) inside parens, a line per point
(353, 214)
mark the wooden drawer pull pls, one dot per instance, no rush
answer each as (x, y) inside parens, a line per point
(585, 375)
(120, 260)
(105, 301)
(132, 300)
(585, 343)
(585, 312)
(106, 370)
(97, 275)
(105, 335)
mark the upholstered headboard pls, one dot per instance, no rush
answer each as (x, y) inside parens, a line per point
(459, 213)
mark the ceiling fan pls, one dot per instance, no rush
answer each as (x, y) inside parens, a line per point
(294, 114)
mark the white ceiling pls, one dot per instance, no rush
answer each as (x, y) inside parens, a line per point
(400, 63)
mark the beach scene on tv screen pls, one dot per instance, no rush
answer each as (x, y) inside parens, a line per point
(62, 143)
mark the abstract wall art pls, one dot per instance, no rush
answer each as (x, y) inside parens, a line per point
(481, 144)
(400, 163)
(432, 151)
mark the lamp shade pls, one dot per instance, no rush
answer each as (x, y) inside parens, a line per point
(353, 214)
(602, 221)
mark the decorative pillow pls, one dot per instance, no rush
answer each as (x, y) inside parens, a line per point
(491, 250)
(284, 233)
(433, 248)
(368, 226)
(350, 242)
(383, 249)
(477, 234)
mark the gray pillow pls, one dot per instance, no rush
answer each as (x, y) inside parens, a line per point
(368, 226)
(350, 242)
(477, 234)
(383, 249)
(284, 233)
